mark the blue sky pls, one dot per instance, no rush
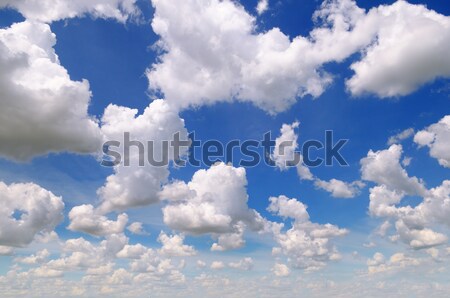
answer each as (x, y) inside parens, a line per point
(114, 55)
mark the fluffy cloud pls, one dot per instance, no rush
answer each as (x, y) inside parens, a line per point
(306, 244)
(137, 228)
(215, 201)
(86, 219)
(280, 270)
(379, 264)
(54, 10)
(385, 68)
(437, 138)
(340, 189)
(42, 110)
(383, 167)
(212, 53)
(134, 185)
(262, 6)
(244, 264)
(173, 246)
(284, 153)
(217, 265)
(414, 224)
(26, 210)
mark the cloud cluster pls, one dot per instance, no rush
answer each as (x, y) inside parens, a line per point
(414, 224)
(54, 10)
(306, 244)
(285, 154)
(212, 51)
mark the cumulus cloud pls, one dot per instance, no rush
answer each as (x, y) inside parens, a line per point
(280, 270)
(53, 10)
(385, 68)
(415, 225)
(340, 189)
(217, 265)
(307, 245)
(245, 264)
(135, 185)
(86, 219)
(379, 264)
(262, 6)
(173, 246)
(42, 110)
(383, 167)
(284, 153)
(437, 138)
(137, 228)
(26, 210)
(209, 58)
(212, 52)
(215, 202)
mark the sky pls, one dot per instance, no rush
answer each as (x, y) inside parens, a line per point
(76, 74)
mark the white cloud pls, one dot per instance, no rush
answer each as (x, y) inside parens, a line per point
(262, 6)
(245, 264)
(26, 210)
(385, 68)
(215, 202)
(173, 246)
(53, 10)
(437, 138)
(415, 225)
(280, 270)
(38, 258)
(137, 229)
(134, 185)
(379, 264)
(340, 189)
(403, 135)
(306, 244)
(211, 53)
(42, 110)
(383, 167)
(86, 219)
(284, 152)
(217, 265)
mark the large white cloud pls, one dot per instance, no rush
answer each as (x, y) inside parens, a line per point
(214, 201)
(26, 210)
(437, 138)
(54, 10)
(212, 52)
(411, 48)
(41, 109)
(136, 185)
